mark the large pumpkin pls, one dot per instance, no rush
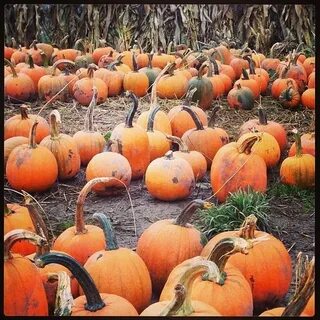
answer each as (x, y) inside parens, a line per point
(92, 303)
(166, 243)
(307, 145)
(119, 270)
(269, 284)
(10, 144)
(31, 167)
(23, 294)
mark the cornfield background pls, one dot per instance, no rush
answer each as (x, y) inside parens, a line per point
(154, 26)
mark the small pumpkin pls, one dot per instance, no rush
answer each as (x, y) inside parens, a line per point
(298, 170)
(240, 97)
(251, 83)
(166, 243)
(308, 98)
(290, 96)
(10, 144)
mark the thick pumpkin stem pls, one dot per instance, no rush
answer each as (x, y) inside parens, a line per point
(94, 300)
(7, 210)
(188, 211)
(209, 65)
(13, 70)
(150, 56)
(247, 144)
(34, 45)
(251, 64)
(151, 118)
(297, 138)
(24, 112)
(30, 61)
(202, 70)
(169, 155)
(79, 220)
(88, 120)
(80, 43)
(181, 304)
(194, 117)
(55, 121)
(134, 62)
(213, 117)
(223, 250)
(215, 65)
(248, 227)
(188, 97)
(182, 146)
(64, 298)
(245, 74)
(32, 135)
(91, 68)
(58, 62)
(129, 119)
(304, 292)
(262, 116)
(44, 59)
(109, 235)
(15, 235)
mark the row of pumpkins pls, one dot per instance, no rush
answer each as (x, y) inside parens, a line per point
(86, 273)
(215, 72)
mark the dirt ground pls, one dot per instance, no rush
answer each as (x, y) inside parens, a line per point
(296, 228)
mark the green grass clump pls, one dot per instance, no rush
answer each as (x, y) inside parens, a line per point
(231, 214)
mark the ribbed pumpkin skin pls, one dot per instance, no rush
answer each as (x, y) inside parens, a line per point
(227, 162)
(49, 86)
(281, 84)
(19, 219)
(172, 87)
(23, 294)
(89, 144)
(164, 245)
(267, 267)
(20, 87)
(109, 164)
(115, 306)
(169, 180)
(181, 121)
(136, 82)
(135, 147)
(307, 144)
(200, 309)
(65, 150)
(204, 94)
(236, 290)
(16, 126)
(161, 121)
(32, 170)
(81, 246)
(268, 147)
(121, 272)
(308, 98)
(207, 141)
(298, 171)
(10, 144)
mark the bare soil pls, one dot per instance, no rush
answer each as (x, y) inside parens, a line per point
(296, 228)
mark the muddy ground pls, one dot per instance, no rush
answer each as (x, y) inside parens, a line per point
(294, 225)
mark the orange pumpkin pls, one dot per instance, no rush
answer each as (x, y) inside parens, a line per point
(290, 96)
(166, 243)
(308, 98)
(307, 145)
(81, 240)
(109, 164)
(23, 293)
(83, 88)
(226, 282)
(309, 64)
(221, 53)
(202, 139)
(240, 97)
(92, 303)
(35, 53)
(266, 147)
(182, 303)
(10, 144)
(181, 121)
(19, 55)
(235, 167)
(31, 167)
(160, 60)
(262, 124)
(63, 147)
(252, 84)
(19, 86)
(99, 52)
(150, 72)
(311, 80)
(269, 284)
(89, 141)
(298, 170)
(106, 269)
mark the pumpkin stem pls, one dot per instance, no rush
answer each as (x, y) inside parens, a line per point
(188, 211)
(247, 144)
(188, 97)
(215, 65)
(248, 227)
(13, 70)
(305, 289)
(7, 210)
(169, 155)
(194, 117)
(94, 300)
(151, 118)
(262, 116)
(110, 237)
(297, 138)
(251, 64)
(181, 304)
(169, 49)
(64, 298)
(245, 74)
(30, 61)
(91, 68)
(55, 121)
(150, 56)
(213, 117)
(209, 65)
(88, 120)
(24, 112)
(182, 146)
(18, 234)
(132, 111)
(45, 59)
(134, 62)
(58, 62)
(201, 70)
(80, 43)
(79, 220)
(222, 251)
(32, 135)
